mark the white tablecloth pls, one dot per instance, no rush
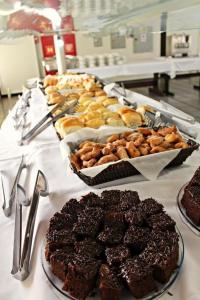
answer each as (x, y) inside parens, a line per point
(144, 67)
(44, 154)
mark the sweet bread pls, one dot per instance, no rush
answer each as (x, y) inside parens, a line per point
(115, 122)
(132, 119)
(50, 89)
(100, 93)
(95, 123)
(110, 101)
(69, 125)
(55, 98)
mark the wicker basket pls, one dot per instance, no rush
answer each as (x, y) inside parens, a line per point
(125, 169)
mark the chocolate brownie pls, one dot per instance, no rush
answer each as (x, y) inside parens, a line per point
(89, 248)
(195, 181)
(128, 200)
(72, 207)
(150, 207)
(89, 221)
(136, 238)
(191, 202)
(59, 263)
(117, 254)
(133, 241)
(61, 221)
(58, 240)
(111, 235)
(109, 284)
(161, 221)
(81, 276)
(111, 198)
(51, 247)
(162, 254)
(135, 217)
(92, 200)
(138, 276)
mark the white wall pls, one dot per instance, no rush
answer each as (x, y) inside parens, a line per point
(85, 46)
(18, 62)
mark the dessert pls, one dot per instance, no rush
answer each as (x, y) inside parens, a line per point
(141, 142)
(109, 284)
(112, 242)
(139, 277)
(191, 198)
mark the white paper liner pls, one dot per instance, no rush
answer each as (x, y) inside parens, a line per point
(149, 166)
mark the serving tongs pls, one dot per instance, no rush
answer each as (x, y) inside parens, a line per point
(22, 255)
(45, 123)
(7, 207)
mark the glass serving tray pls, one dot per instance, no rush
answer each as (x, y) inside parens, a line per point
(182, 211)
(161, 288)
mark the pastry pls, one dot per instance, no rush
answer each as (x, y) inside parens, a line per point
(69, 125)
(110, 101)
(95, 123)
(55, 98)
(114, 121)
(125, 145)
(50, 80)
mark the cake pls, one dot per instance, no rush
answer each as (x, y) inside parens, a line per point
(112, 242)
(138, 276)
(191, 198)
(109, 284)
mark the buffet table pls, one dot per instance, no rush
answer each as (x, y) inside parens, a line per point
(43, 153)
(162, 69)
(145, 67)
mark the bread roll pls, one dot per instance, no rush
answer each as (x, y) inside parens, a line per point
(100, 99)
(100, 93)
(83, 98)
(110, 101)
(58, 123)
(114, 122)
(92, 115)
(50, 80)
(88, 94)
(50, 89)
(93, 106)
(95, 123)
(56, 98)
(125, 109)
(72, 96)
(69, 125)
(132, 119)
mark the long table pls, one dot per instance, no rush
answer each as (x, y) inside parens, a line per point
(160, 68)
(43, 153)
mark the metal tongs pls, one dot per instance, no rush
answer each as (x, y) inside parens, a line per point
(42, 124)
(21, 256)
(7, 207)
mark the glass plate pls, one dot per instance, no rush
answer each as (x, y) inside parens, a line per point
(162, 288)
(186, 220)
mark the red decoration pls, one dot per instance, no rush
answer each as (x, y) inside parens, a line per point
(69, 44)
(48, 46)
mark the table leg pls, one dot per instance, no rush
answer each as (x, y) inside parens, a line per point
(166, 90)
(197, 87)
(156, 86)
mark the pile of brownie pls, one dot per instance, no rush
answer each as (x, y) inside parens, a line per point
(191, 198)
(112, 243)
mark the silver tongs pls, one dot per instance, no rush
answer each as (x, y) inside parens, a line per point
(42, 124)
(7, 207)
(21, 256)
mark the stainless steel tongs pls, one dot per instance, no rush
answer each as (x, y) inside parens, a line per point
(7, 205)
(22, 255)
(42, 124)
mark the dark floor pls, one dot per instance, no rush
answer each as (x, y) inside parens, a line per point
(186, 98)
